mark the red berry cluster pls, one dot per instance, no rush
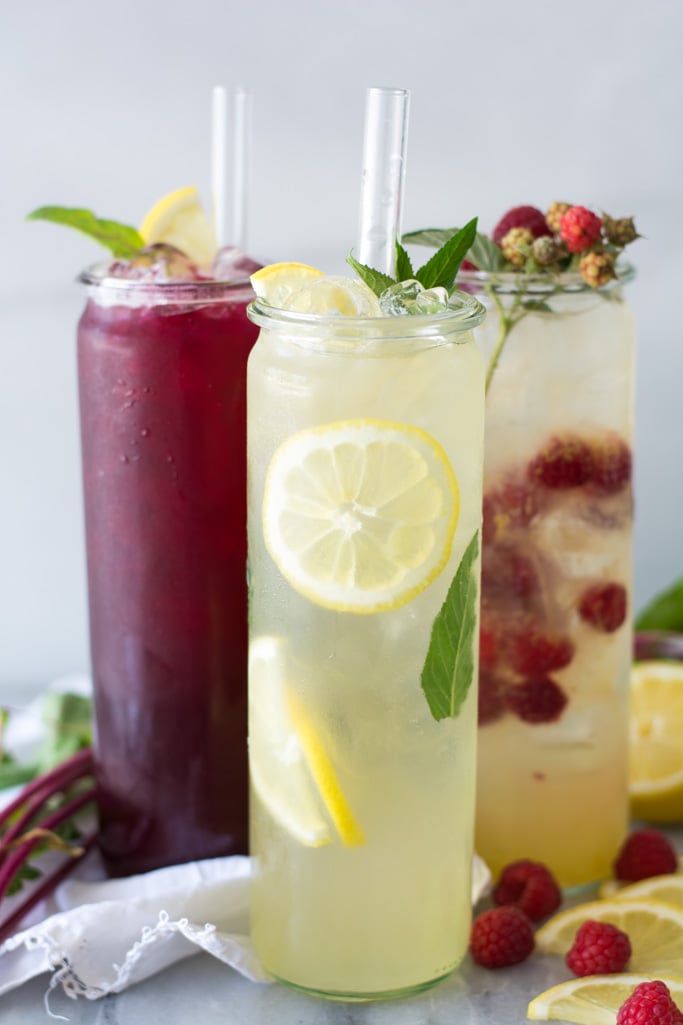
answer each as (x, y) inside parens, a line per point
(524, 638)
(645, 853)
(650, 1004)
(598, 949)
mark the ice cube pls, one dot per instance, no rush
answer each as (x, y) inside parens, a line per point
(432, 300)
(231, 264)
(158, 263)
(410, 298)
(334, 295)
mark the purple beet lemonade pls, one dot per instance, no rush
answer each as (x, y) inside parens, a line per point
(162, 358)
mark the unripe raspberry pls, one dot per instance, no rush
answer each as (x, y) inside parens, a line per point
(597, 269)
(619, 231)
(547, 251)
(579, 228)
(516, 245)
(553, 217)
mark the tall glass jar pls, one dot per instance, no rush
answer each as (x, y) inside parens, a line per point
(162, 376)
(365, 447)
(556, 573)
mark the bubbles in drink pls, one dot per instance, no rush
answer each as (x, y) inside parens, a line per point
(231, 264)
(410, 298)
(158, 263)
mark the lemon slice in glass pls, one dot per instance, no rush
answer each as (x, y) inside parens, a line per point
(277, 282)
(656, 747)
(654, 928)
(291, 770)
(359, 515)
(594, 999)
(179, 220)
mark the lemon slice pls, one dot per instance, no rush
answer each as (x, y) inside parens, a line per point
(613, 887)
(656, 747)
(668, 888)
(277, 282)
(594, 999)
(359, 515)
(290, 768)
(179, 220)
(654, 928)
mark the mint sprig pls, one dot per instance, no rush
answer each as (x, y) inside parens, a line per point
(483, 251)
(449, 664)
(439, 271)
(664, 611)
(121, 239)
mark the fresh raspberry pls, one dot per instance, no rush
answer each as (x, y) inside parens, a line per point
(529, 217)
(645, 853)
(513, 504)
(529, 886)
(597, 269)
(598, 949)
(564, 462)
(650, 1004)
(516, 245)
(554, 215)
(532, 652)
(579, 228)
(619, 231)
(507, 573)
(611, 464)
(604, 606)
(491, 705)
(488, 646)
(546, 251)
(501, 937)
(537, 700)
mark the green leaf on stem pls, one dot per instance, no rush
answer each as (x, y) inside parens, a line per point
(374, 279)
(665, 611)
(485, 254)
(121, 239)
(404, 266)
(432, 237)
(441, 270)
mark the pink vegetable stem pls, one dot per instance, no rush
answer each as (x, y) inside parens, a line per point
(50, 782)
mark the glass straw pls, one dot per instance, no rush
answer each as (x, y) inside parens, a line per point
(384, 158)
(241, 144)
(219, 143)
(238, 136)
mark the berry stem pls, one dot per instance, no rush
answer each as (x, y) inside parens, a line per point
(507, 322)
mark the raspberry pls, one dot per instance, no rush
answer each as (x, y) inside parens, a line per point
(554, 215)
(513, 505)
(611, 464)
(564, 462)
(537, 700)
(529, 886)
(649, 1004)
(501, 937)
(528, 217)
(488, 648)
(598, 949)
(645, 853)
(579, 228)
(619, 231)
(516, 245)
(507, 573)
(547, 251)
(533, 653)
(604, 606)
(491, 705)
(597, 269)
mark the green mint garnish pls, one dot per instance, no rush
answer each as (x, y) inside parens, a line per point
(449, 665)
(439, 271)
(665, 611)
(122, 240)
(483, 252)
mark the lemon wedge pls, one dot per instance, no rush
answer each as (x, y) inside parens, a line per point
(359, 515)
(656, 747)
(277, 282)
(654, 928)
(594, 999)
(179, 220)
(668, 888)
(291, 771)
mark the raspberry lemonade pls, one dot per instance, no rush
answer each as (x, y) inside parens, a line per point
(162, 352)
(365, 444)
(555, 647)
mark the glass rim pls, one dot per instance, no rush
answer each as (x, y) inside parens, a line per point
(468, 314)
(542, 281)
(205, 289)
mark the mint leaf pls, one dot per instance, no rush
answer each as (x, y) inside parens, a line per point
(449, 665)
(404, 267)
(665, 611)
(374, 279)
(433, 237)
(485, 254)
(445, 264)
(121, 239)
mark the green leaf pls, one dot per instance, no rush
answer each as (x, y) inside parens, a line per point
(12, 774)
(536, 306)
(485, 254)
(665, 611)
(445, 263)
(404, 267)
(27, 873)
(374, 279)
(433, 237)
(121, 239)
(449, 666)
(68, 718)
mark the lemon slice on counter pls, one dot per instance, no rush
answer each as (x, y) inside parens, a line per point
(359, 515)
(668, 888)
(656, 747)
(179, 220)
(277, 282)
(291, 770)
(594, 999)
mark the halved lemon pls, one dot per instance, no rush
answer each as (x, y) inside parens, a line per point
(291, 770)
(668, 888)
(654, 928)
(656, 744)
(277, 282)
(359, 515)
(594, 999)
(179, 220)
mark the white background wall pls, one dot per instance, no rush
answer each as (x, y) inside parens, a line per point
(107, 106)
